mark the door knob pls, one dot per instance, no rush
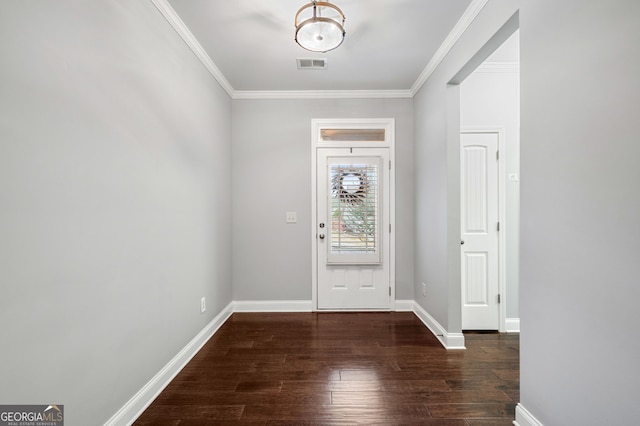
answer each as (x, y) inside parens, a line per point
(462, 242)
(321, 236)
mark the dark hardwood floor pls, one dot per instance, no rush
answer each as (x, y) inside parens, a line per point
(341, 369)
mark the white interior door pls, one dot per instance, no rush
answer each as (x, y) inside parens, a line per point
(353, 228)
(479, 233)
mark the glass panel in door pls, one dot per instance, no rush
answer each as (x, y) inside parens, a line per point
(354, 210)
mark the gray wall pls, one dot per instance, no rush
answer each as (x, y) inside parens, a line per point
(115, 188)
(437, 170)
(115, 202)
(580, 258)
(580, 204)
(272, 175)
(492, 98)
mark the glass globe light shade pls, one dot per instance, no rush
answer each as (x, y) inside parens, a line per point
(319, 27)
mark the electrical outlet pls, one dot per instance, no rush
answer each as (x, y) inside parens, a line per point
(203, 305)
(424, 289)
(291, 217)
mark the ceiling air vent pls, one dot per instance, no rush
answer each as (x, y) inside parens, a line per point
(312, 64)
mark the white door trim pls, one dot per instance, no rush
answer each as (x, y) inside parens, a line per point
(502, 269)
(358, 123)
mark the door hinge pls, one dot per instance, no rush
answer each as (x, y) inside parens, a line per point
(389, 164)
(499, 299)
(497, 155)
(389, 228)
(389, 291)
(498, 227)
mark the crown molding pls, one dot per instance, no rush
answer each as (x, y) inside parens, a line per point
(461, 26)
(179, 26)
(322, 94)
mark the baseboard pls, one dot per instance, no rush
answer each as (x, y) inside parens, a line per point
(448, 340)
(298, 306)
(512, 325)
(145, 396)
(403, 305)
(525, 418)
(272, 306)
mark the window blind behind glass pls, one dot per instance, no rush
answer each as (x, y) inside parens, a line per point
(354, 208)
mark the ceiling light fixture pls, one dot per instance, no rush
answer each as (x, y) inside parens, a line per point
(319, 26)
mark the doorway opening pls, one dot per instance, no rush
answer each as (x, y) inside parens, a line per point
(486, 93)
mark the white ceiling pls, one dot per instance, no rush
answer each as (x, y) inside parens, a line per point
(388, 44)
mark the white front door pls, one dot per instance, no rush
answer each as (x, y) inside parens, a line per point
(479, 231)
(352, 229)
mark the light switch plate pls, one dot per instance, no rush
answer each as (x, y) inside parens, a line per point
(292, 217)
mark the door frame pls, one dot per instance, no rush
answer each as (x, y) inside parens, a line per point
(388, 124)
(502, 192)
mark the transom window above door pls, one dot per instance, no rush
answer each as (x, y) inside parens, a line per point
(350, 135)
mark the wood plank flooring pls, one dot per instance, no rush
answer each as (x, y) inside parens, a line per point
(341, 369)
